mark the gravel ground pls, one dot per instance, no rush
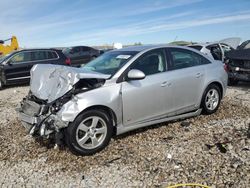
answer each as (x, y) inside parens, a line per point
(212, 150)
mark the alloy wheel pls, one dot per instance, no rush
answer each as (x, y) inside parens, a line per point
(91, 132)
(212, 99)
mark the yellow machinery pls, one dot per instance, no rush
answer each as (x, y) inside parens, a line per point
(6, 49)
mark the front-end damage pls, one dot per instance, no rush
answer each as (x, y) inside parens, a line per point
(51, 87)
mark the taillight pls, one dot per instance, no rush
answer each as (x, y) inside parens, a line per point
(68, 61)
(226, 68)
(1, 53)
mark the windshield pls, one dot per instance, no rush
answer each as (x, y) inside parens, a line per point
(109, 62)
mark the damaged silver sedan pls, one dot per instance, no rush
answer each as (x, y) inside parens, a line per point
(120, 91)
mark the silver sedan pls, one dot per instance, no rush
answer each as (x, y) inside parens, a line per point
(120, 91)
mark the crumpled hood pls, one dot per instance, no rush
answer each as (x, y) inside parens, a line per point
(49, 82)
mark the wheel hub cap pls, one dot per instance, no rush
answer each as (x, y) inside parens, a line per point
(212, 99)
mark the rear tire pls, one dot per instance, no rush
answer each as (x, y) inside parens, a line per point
(89, 133)
(211, 99)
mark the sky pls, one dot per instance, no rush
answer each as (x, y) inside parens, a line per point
(58, 23)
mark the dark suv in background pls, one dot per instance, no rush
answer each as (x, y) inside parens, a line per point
(15, 67)
(80, 54)
(238, 64)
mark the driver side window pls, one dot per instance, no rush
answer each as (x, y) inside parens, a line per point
(151, 63)
(21, 57)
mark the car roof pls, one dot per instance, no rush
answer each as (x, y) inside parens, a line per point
(78, 46)
(208, 44)
(148, 47)
(138, 48)
(31, 49)
(204, 44)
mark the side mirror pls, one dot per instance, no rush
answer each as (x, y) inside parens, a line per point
(135, 74)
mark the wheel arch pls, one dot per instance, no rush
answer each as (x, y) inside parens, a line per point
(106, 110)
(210, 83)
(219, 85)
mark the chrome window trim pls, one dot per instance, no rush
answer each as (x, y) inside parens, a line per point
(19, 78)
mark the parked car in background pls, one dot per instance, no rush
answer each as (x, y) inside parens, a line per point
(80, 55)
(238, 64)
(217, 50)
(120, 91)
(15, 67)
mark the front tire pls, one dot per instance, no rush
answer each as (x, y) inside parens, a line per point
(211, 99)
(89, 133)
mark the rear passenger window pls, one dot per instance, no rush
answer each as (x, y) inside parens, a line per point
(43, 55)
(39, 55)
(182, 58)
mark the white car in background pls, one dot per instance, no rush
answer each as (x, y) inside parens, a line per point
(217, 50)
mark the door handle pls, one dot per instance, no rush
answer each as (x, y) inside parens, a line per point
(198, 75)
(166, 83)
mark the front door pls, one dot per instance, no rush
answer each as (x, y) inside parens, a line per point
(18, 67)
(145, 99)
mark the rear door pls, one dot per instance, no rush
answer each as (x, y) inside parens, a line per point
(18, 67)
(186, 75)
